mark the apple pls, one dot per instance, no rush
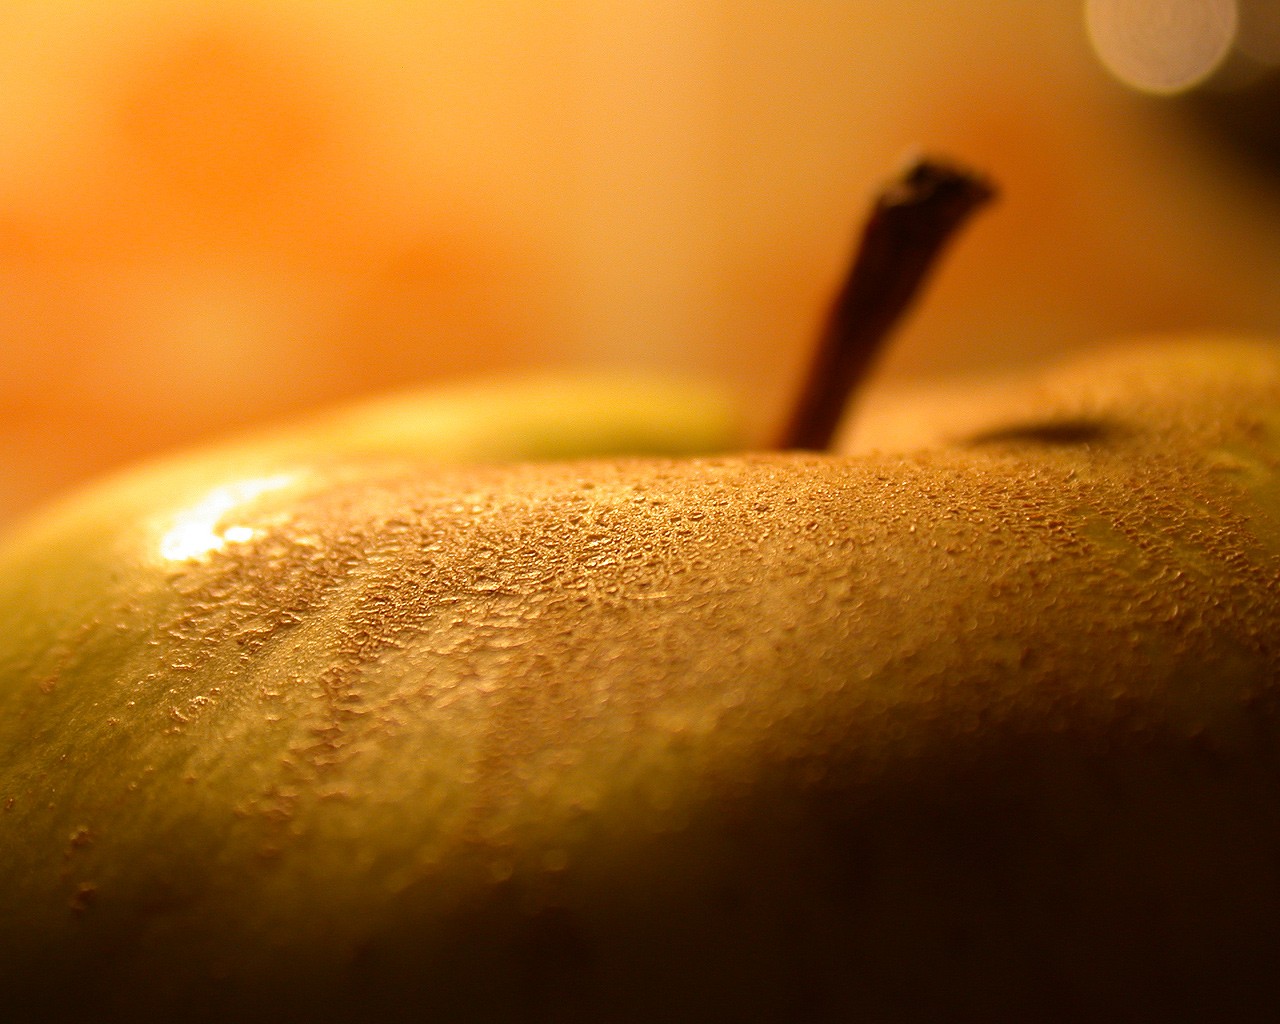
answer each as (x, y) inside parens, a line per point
(544, 416)
(982, 728)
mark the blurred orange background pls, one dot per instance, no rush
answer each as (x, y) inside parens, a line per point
(215, 215)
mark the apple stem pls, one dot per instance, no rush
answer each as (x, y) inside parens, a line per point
(911, 220)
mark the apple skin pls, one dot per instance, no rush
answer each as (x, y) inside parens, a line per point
(987, 729)
(544, 416)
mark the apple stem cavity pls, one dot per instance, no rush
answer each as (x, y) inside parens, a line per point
(912, 218)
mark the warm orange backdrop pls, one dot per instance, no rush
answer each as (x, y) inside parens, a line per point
(214, 214)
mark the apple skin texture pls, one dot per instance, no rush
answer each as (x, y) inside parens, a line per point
(988, 729)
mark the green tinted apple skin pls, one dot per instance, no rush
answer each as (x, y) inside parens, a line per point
(984, 731)
(543, 417)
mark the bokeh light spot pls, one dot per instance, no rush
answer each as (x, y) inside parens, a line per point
(1162, 46)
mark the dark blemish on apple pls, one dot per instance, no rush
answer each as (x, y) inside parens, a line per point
(1060, 433)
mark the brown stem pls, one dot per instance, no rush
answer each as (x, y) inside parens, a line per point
(911, 221)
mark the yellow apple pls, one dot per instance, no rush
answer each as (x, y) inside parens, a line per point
(982, 729)
(545, 417)
(979, 721)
